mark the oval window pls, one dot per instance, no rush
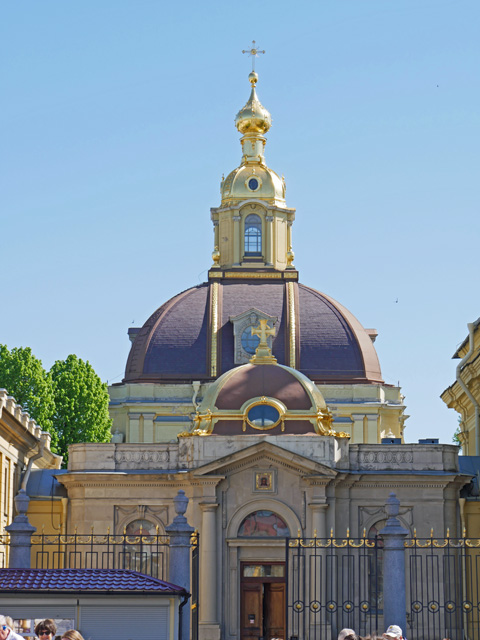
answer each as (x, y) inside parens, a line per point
(263, 416)
(253, 184)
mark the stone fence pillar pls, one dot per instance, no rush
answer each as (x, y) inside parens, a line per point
(394, 594)
(180, 548)
(21, 532)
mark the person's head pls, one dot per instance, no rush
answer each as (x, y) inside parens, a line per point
(4, 628)
(46, 629)
(71, 634)
(393, 632)
(347, 634)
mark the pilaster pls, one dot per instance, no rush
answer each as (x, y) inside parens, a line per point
(209, 628)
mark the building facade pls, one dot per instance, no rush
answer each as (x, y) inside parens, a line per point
(263, 400)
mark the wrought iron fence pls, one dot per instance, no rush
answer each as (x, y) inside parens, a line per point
(332, 584)
(443, 588)
(147, 554)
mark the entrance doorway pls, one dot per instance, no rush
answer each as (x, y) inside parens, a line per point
(262, 611)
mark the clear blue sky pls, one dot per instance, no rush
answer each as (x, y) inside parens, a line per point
(117, 124)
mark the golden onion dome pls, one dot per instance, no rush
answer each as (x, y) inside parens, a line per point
(253, 118)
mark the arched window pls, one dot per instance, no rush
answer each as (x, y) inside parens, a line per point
(253, 235)
(263, 524)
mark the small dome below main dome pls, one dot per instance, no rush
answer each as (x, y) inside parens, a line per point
(264, 398)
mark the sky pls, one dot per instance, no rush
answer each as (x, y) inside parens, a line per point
(117, 123)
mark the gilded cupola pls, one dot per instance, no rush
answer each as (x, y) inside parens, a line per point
(252, 225)
(253, 179)
(253, 118)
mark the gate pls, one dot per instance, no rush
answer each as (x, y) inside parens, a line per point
(332, 584)
(443, 588)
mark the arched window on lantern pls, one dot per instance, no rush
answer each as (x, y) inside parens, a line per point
(253, 235)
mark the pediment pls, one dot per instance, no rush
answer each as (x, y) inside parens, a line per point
(262, 453)
(252, 315)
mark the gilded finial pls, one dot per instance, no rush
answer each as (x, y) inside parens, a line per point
(216, 257)
(253, 53)
(299, 533)
(314, 533)
(253, 119)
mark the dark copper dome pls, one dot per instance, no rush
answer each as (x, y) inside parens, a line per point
(175, 342)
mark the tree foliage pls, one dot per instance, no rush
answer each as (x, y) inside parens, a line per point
(81, 404)
(70, 401)
(24, 378)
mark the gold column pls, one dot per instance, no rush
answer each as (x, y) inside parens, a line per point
(236, 240)
(214, 329)
(292, 323)
(289, 234)
(269, 244)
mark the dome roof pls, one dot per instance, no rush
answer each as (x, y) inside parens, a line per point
(253, 117)
(226, 403)
(175, 342)
(238, 385)
(268, 185)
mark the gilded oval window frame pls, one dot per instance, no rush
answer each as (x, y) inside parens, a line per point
(271, 402)
(257, 178)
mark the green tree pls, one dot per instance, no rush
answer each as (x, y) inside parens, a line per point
(24, 377)
(81, 404)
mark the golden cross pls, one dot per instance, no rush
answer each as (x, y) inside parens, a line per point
(253, 52)
(263, 331)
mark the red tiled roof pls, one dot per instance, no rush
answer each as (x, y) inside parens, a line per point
(83, 580)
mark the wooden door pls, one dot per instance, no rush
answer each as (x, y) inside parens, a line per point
(274, 610)
(252, 611)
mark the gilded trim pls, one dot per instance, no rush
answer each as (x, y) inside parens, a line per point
(249, 274)
(292, 323)
(214, 335)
